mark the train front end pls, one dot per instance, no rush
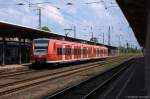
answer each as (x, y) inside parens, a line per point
(40, 51)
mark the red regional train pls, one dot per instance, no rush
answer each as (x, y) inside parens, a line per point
(59, 51)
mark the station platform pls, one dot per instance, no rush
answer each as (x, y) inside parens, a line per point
(135, 84)
(131, 84)
(14, 67)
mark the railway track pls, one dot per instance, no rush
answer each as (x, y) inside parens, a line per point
(26, 71)
(15, 73)
(26, 83)
(87, 89)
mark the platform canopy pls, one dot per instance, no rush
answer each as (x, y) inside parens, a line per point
(7, 29)
(136, 12)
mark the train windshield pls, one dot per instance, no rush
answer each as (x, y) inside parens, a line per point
(41, 46)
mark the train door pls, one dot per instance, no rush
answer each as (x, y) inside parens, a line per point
(87, 55)
(99, 52)
(89, 52)
(96, 52)
(63, 52)
(68, 52)
(75, 52)
(1, 52)
(84, 52)
(81, 51)
(72, 51)
(92, 51)
(59, 51)
(103, 52)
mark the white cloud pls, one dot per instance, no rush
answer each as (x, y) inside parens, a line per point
(72, 10)
(54, 14)
(17, 17)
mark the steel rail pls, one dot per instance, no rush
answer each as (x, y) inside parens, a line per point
(15, 86)
(62, 93)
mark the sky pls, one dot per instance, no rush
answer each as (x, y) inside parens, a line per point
(83, 14)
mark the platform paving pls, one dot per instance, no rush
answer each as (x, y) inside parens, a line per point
(135, 86)
(130, 85)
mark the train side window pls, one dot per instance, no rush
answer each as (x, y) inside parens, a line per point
(60, 51)
(75, 51)
(89, 52)
(67, 51)
(64, 51)
(70, 51)
(101, 51)
(57, 51)
(79, 51)
(83, 51)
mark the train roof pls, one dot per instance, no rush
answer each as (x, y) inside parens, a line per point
(76, 43)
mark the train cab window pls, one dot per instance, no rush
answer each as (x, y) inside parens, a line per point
(41, 46)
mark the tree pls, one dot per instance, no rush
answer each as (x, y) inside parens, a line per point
(94, 39)
(45, 28)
